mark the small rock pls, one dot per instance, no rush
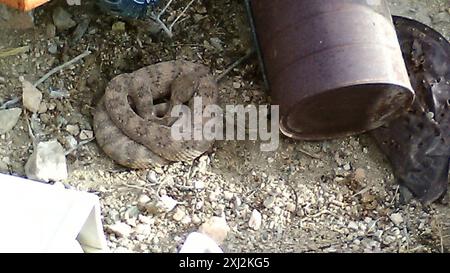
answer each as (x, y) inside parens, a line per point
(62, 19)
(236, 85)
(178, 215)
(255, 220)
(47, 162)
(42, 108)
(86, 134)
(216, 228)
(269, 202)
(290, 207)
(73, 129)
(145, 219)
(165, 204)
(143, 229)
(2, 79)
(186, 220)
(53, 49)
(151, 177)
(360, 175)
(132, 213)
(196, 220)
(9, 119)
(120, 229)
(31, 96)
(353, 225)
(228, 195)
(143, 200)
(50, 30)
(118, 27)
(199, 185)
(347, 167)
(396, 218)
(71, 142)
(200, 243)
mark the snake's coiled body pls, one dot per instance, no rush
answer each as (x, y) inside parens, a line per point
(141, 138)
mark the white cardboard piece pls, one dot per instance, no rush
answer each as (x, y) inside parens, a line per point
(41, 218)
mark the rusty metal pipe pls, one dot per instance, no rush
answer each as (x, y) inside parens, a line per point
(334, 67)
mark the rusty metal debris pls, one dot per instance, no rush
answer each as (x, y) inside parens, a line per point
(418, 143)
(334, 67)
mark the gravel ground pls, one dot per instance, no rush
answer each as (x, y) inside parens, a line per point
(332, 196)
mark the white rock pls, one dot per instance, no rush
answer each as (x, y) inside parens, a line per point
(196, 220)
(163, 205)
(396, 218)
(199, 185)
(200, 243)
(73, 129)
(186, 220)
(86, 134)
(255, 220)
(168, 203)
(47, 162)
(143, 200)
(216, 228)
(178, 215)
(120, 229)
(353, 225)
(31, 96)
(8, 119)
(228, 195)
(143, 229)
(269, 202)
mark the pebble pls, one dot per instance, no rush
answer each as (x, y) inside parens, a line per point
(360, 175)
(353, 225)
(132, 213)
(145, 219)
(199, 243)
(151, 177)
(217, 228)
(199, 185)
(71, 142)
(31, 96)
(118, 27)
(50, 30)
(236, 85)
(73, 129)
(2, 80)
(53, 49)
(269, 202)
(290, 207)
(86, 134)
(186, 220)
(143, 200)
(196, 220)
(347, 167)
(396, 218)
(120, 229)
(228, 195)
(47, 163)
(163, 205)
(62, 19)
(255, 221)
(178, 215)
(42, 107)
(9, 119)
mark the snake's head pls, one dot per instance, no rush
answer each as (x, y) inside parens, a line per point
(184, 87)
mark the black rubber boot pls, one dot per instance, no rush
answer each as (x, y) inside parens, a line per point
(127, 8)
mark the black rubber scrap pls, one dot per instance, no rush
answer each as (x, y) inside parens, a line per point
(418, 143)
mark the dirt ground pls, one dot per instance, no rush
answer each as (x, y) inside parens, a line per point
(326, 196)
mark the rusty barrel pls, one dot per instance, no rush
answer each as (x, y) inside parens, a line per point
(334, 67)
